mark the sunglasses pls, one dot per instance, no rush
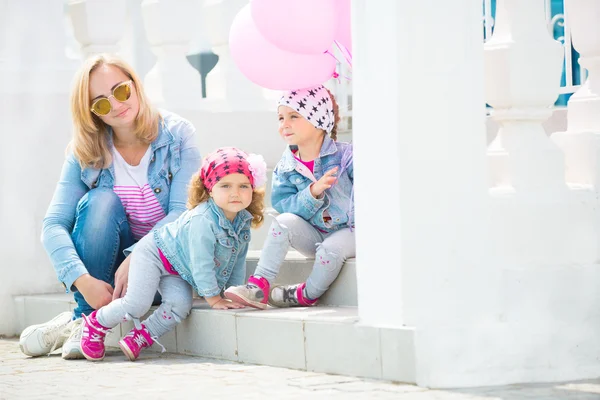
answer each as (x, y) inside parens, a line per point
(121, 93)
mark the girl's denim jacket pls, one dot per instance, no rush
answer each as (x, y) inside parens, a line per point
(175, 157)
(206, 249)
(291, 187)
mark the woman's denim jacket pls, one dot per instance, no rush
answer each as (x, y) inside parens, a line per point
(206, 249)
(291, 187)
(175, 158)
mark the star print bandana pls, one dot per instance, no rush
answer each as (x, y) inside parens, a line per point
(230, 160)
(314, 104)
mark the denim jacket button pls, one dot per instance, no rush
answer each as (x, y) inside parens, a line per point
(157, 190)
(170, 176)
(224, 273)
(245, 237)
(233, 250)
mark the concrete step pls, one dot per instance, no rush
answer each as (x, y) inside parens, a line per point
(320, 339)
(297, 268)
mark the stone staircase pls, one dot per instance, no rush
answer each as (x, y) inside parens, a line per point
(327, 338)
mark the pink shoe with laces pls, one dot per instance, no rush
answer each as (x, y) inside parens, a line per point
(92, 337)
(136, 340)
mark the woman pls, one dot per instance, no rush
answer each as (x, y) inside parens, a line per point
(125, 174)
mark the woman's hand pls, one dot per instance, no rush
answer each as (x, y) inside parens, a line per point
(97, 293)
(121, 278)
(219, 303)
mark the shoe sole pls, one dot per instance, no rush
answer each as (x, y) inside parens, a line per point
(23, 339)
(74, 354)
(92, 358)
(241, 300)
(125, 349)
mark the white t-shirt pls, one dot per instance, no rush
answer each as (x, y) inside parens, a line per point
(131, 185)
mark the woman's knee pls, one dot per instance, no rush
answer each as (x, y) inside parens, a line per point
(100, 204)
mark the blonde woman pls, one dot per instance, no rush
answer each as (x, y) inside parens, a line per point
(125, 174)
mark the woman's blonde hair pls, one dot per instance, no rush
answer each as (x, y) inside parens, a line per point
(90, 138)
(197, 193)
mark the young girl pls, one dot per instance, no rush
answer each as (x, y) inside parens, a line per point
(312, 189)
(204, 249)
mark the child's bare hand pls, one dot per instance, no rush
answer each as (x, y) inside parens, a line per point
(224, 304)
(324, 183)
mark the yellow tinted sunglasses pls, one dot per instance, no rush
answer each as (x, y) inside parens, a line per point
(122, 92)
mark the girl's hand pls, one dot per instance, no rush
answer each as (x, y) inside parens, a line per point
(121, 278)
(219, 303)
(326, 181)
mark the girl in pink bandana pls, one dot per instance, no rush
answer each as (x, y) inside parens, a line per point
(203, 250)
(312, 190)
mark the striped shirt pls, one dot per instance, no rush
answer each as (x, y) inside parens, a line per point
(131, 185)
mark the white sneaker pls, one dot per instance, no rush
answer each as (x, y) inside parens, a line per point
(71, 349)
(43, 339)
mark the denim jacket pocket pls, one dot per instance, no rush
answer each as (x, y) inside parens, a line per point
(244, 236)
(299, 181)
(224, 249)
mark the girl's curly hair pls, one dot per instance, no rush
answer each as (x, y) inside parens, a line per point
(197, 193)
(336, 115)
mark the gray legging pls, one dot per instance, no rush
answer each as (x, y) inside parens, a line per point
(146, 275)
(329, 249)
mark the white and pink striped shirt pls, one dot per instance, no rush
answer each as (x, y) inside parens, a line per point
(131, 185)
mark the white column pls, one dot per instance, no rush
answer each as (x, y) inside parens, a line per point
(172, 82)
(420, 168)
(35, 77)
(581, 141)
(98, 25)
(227, 89)
(523, 65)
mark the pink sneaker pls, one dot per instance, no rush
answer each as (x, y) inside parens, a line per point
(136, 340)
(254, 294)
(92, 337)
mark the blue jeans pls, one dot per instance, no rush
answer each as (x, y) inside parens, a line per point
(100, 235)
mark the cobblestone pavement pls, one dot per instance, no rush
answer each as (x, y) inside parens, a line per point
(164, 376)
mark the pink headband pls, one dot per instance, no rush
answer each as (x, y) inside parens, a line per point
(230, 160)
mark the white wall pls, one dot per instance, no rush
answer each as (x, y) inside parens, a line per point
(34, 128)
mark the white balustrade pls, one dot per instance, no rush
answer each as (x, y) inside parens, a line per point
(98, 25)
(581, 141)
(172, 82)
(523, 68)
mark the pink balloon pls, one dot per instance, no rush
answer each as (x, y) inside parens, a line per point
(270, 67)
(343, 31)
(299, 26)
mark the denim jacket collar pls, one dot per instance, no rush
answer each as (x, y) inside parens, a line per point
(240, 221)
(289, 161)
(164, 138)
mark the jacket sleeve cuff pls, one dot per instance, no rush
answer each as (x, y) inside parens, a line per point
(209, 292)
(70, 275)
(309, 202)
(129, 250)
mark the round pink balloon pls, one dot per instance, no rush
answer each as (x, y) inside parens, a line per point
(299, 26)
(270, 67)
(343, 32)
